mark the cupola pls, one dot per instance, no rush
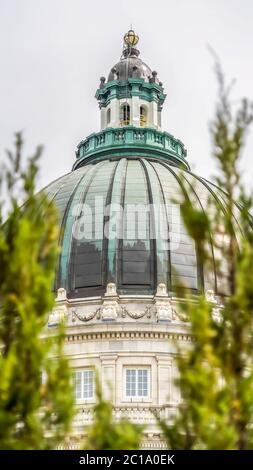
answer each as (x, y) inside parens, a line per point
(132, 95)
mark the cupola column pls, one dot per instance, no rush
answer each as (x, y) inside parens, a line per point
(135, 108)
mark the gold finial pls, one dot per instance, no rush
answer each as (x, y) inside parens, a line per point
(131, 38)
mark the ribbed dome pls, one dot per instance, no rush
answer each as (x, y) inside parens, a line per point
(136, 264)
(130, 67)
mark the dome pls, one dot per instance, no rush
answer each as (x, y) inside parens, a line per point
(136, 262)
(130, 67)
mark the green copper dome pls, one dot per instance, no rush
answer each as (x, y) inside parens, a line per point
(135, 264)
(127, 172)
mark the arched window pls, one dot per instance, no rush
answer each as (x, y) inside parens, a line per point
(125, 114)
(108, 116)
(143, 116)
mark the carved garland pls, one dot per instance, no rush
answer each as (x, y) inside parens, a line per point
(84, 316)
(136, 315)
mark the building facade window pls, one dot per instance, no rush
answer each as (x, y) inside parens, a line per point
(125, 114)
(84, 384)
(137, 382)
(108, 116)
(143, 116)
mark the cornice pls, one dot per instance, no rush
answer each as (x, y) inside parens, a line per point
(127, 335)
(118, 89)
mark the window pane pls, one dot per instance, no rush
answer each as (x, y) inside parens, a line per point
(78, 385)
(108, 115)
(130, 383)
(137, 383)
(83, 384)
(136, 249)
(88, 382)
(87, 247)
(142, 383)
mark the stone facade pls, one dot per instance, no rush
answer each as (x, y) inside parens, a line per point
(113, 332)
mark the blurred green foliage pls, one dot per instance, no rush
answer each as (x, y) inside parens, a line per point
(36, 404)
(216, 372)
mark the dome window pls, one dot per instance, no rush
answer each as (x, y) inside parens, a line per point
(143, 116)
(125, 115)
(108, 116)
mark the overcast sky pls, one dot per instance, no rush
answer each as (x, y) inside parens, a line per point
(53, 52)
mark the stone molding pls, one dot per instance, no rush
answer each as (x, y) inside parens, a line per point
(159, 313)
(114, 308)
(127, 335)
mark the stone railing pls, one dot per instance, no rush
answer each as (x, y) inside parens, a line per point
(144, 414)
(130, 139)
